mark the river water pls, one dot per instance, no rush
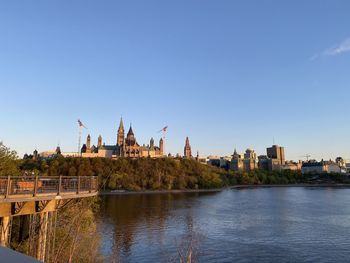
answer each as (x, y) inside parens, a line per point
(282, 224)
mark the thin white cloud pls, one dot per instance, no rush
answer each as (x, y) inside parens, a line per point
(338, 49)
(312, 58)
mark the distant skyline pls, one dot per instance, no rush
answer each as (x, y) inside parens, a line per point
(227, 74)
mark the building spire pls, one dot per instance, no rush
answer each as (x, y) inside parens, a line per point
(120, 136)
(121, 125)
(130, 132)
(99, 141)
(187, 149)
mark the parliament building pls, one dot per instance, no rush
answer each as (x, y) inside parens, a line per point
(124, 147)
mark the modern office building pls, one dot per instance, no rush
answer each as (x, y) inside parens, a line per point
(249, 162)
(276, 152)
(237, 161)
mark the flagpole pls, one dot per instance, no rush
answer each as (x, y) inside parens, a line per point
(164, 135)
(81, 126)
(79, 140)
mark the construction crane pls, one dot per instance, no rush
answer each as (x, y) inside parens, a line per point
(164, 130)
(307, 156)
(81, 126)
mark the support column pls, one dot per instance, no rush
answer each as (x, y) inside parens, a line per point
(42, 236)
(23, 228)
(5, 228)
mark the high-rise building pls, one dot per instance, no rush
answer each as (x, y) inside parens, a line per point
(250, 160)
(276, 152)
(276, 159)
(236, 162)
(263, 162)
(187, 149)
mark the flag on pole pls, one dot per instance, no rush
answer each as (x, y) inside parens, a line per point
(164, 129)
(81, 124)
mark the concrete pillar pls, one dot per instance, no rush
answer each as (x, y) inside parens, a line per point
(42, 235)
(5, 228)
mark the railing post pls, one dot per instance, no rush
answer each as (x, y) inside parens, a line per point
(59, 185)
(91, 178)
(78, 185)
(8, 185)
(35, 186)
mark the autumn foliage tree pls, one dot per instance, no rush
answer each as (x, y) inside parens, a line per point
(157, 174)
(8, 161)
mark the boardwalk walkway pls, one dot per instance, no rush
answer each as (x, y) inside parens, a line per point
(32, 188)
(39, 197)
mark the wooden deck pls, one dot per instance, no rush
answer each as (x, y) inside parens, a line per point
(33, 194)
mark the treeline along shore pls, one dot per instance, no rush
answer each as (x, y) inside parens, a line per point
(155, 174)
(167, 174)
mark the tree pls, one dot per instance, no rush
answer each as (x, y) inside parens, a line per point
(8, 161)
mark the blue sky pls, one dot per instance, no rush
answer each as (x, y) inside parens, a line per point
(228, 74)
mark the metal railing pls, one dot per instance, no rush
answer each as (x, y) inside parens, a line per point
(36, 185)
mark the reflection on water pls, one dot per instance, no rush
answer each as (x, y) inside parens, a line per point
(246, 225)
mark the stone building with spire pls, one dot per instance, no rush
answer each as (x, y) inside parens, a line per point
(187, 149)
(124, 147)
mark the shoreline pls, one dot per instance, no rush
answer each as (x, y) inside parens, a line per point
(121, 192)
(213, 190)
